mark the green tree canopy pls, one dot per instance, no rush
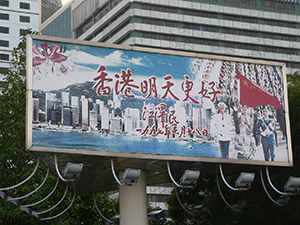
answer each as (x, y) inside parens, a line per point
(16, 164)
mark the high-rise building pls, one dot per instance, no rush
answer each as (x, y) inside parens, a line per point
(75, 110)
(257, 29)
(50, 99)
(48, 8)
(56, 18)
(36, 105)
(84, 112)
(93, 119)
(65, 98)
(67, 115)
(15, 17)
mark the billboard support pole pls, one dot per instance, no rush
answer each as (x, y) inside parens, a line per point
(133, 202)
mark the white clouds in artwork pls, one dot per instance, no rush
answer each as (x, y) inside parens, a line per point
(116, 58)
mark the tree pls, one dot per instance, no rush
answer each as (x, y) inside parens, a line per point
(16, 164)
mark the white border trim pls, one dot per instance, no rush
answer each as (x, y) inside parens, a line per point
(29, 105)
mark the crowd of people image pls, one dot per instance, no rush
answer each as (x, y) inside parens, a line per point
(242, 131)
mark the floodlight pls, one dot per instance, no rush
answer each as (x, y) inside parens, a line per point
(244, 180)
(34, 213)
(3, 194)
(72, 170)
(25, 209)
(292, 185)
(189, 177)
(115, 219)
(130, 175)
(13, 200)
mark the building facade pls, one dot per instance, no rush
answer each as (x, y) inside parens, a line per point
(15, 17)
(56, 18)
(257, 29)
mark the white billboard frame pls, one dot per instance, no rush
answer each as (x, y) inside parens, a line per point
(137, 155)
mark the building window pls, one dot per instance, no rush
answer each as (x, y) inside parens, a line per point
(4, 16)
(123, 39)
(158, 8)
(4, 43)
(84, 27)
(200, 41)
(24, 5)
(101, 12)
(280, 50)
(278, 23)
(4, 30)
(199, 13)
(158, 36)
(114, 3)
(279, 37)
(22, 31)
(158, 22)
(4, 3)
(292, 65)
(198, 27)
(241, 46)
(240, 32)
(4, 57)
(120, 28)
(25, 19)
(239, 18)
(278, 6)
(212, 1)
(119, 14)
(248, 3)
(2, 69)
(96, 32)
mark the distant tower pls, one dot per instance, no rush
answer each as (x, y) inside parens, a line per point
(36, 104)
(75, 110)
(84, 112)
(50, 100)
(65, 98)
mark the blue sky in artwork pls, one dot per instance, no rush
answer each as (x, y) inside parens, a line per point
(155, 64)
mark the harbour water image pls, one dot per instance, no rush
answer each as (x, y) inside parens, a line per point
(122, 143)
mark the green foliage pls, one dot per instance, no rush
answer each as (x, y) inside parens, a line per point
(294, 109)
(193, 200)
(16, 164)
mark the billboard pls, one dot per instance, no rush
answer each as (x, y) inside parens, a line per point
(114, 100)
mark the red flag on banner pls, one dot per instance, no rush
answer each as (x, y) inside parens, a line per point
(253, 95)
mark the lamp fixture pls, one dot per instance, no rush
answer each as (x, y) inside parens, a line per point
(130, 175)
(72, 170)
(244, 180)
(292, 185)
(242, 183)
(189, 177)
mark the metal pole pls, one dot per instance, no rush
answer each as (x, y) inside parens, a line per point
(133, 202)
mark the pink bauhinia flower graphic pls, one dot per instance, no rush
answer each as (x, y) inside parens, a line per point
(48, 59)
